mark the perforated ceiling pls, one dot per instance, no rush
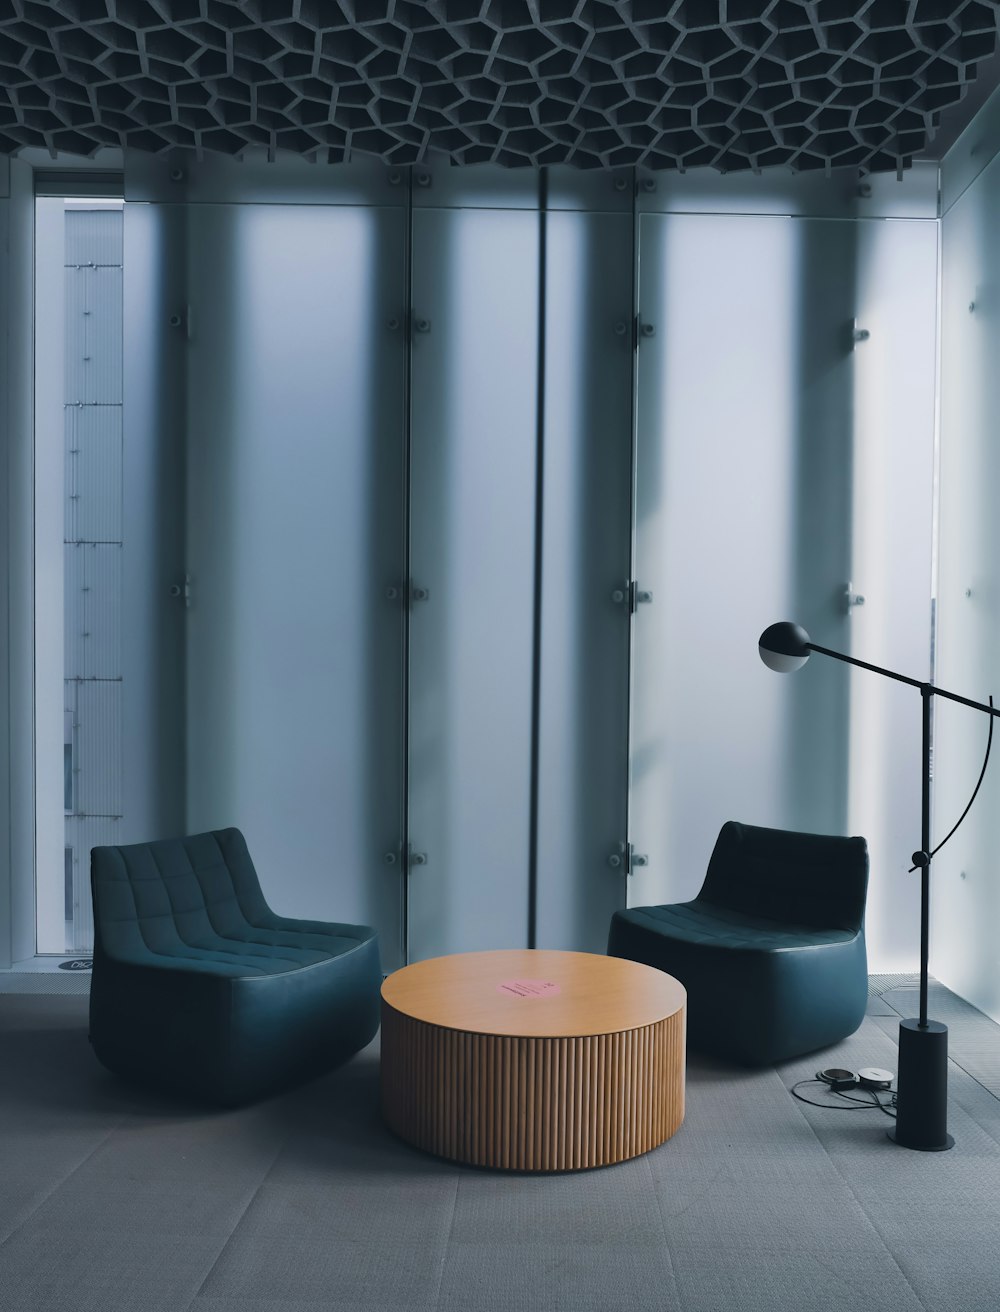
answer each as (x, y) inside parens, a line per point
(735, 84)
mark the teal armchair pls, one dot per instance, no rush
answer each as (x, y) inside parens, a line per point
(771, 951)
(200, 988)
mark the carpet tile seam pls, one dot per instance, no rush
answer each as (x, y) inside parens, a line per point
(990, 1134)
(864, 1211)
(239, 1221)
(59, 1184)
(985, 1087)
(666, 1235)
(447, 1244)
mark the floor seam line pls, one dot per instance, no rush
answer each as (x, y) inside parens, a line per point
(985, 1087)
(59, 1184)
(238, 1222)
(864, 1211)
(666, 1233)
(447, 1243)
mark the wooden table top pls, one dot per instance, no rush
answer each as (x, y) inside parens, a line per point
(534, 993)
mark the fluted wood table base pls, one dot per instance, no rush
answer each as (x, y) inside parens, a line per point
(533, 1101)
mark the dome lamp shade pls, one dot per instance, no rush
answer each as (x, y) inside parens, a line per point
(784, 647)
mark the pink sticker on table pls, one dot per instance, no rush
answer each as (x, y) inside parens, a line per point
(529, 988)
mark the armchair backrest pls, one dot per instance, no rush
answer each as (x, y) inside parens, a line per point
(157, 897)
(803, 879)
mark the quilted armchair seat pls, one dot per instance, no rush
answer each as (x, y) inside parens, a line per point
(771, 951)
(199, 987)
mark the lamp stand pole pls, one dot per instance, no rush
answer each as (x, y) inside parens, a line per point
(922, 1100)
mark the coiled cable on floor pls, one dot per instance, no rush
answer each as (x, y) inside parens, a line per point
(860, 1104)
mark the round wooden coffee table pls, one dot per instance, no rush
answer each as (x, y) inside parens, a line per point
(533, 1060)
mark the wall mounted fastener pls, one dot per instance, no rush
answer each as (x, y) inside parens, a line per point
(182, 591)
(182, 321)
(633, 594)
(627, 859)
(641, 330)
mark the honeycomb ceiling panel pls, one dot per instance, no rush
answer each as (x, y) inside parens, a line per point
(667, 84)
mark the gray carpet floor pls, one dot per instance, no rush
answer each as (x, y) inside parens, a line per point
(114, 1200)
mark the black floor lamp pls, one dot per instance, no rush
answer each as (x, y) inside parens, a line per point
(922, 1101)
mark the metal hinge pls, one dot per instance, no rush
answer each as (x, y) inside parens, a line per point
(633, 594)
(641, 330)
(396, 592)
(410, 858)
(626, 860)
(414, 858)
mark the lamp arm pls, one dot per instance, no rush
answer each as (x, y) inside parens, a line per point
(905, 678)
(929, 690)
(982, 776)
(867, 665)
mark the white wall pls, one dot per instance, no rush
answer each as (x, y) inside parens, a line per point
(966, 875)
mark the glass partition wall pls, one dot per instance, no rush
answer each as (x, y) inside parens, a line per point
(295, 422)
(966, 892)
(78, 558)
(785, 431)
(107, 573)
(457, 502)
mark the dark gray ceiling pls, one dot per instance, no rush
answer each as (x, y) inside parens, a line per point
(734, 84)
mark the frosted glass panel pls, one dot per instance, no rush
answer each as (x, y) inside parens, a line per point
(893, 470)
(79, 460)
(965, 882)
(295, 422)
(153, 525)
(475, 301)
(742, 519)
(785, 451)
(583, 740)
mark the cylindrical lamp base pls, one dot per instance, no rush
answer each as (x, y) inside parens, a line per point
(922, 1100)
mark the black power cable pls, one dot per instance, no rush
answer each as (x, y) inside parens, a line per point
(860, 1105)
